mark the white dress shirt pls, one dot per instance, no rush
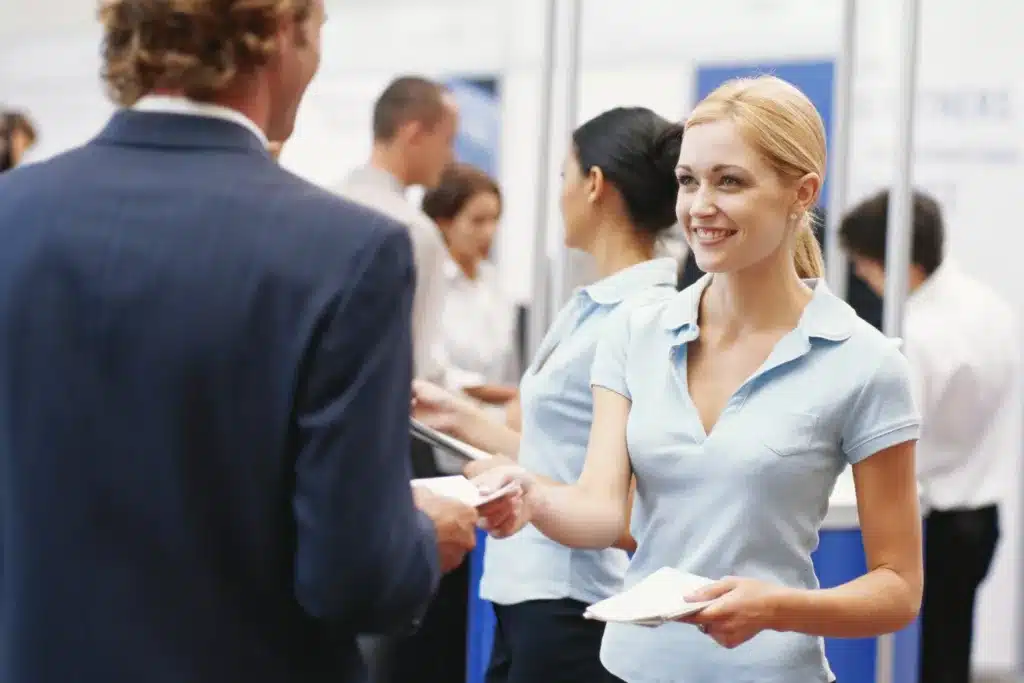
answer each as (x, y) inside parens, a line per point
(963, 346)
(478, 328)
(379, 190)
(170, 104)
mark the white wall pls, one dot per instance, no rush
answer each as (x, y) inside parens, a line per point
(641, 52)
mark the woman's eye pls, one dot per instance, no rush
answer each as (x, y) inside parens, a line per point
(730, 181)
(685, 180)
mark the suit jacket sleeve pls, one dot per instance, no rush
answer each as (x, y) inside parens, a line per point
(365, 556)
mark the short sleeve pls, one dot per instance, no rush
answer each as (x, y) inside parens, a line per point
(884, 413)
(609, 367)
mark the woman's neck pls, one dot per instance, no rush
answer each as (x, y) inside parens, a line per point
(620, 248)
(766, 296)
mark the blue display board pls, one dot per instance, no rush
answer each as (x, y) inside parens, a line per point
(477, 142)
(479, 135)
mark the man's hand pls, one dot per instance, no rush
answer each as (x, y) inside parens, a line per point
(455, 524)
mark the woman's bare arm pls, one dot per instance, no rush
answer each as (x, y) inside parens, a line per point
(477, 428)
(492, 394)
(594, 512)
(888, 597)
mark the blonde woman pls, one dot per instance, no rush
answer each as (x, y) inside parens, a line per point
(736, 404)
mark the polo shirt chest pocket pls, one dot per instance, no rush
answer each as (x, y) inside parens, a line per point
(788, 433)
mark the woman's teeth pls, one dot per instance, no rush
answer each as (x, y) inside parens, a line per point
(712, 235)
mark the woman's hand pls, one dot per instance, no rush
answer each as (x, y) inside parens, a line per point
(475, 468)
(740, 609)
(438, 408)
(507, 515)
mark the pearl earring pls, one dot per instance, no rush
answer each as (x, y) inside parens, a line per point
(792, 216)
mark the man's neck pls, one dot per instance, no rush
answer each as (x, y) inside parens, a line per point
(243, 101)
(391, 161)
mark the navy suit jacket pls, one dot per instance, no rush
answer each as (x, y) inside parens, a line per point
(205, 368)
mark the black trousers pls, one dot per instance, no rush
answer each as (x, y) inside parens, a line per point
(547, 641)
(958, 550)
(436, 651)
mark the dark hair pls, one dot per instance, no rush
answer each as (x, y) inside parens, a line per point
(459, 183)
(407, 98)
(197, 46)
(863, 230)
(18, 122)
(637, 151)
(12, 122)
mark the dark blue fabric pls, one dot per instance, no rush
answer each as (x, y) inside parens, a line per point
(546, 640)
(205, 370)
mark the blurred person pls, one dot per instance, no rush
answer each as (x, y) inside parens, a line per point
(204, 381)
(745, 396)
(478, 323)
(414, 126)
(477, 338)
(618, 197)
(963, 346)
(17, 136)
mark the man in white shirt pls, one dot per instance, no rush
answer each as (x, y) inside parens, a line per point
(963, 347)
(414, 125)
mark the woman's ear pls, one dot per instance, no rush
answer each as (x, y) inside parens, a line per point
(807, 190)
(595, 184)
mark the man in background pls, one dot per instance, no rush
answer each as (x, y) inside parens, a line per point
(414, 126)
(205, 380)
(961, 341)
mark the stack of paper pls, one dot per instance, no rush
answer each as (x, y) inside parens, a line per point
(658, 599)
(463, 490)
(449, 444)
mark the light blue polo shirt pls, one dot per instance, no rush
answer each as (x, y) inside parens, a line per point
(557, 407)
(748, 499)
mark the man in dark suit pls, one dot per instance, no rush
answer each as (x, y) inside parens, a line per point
(205, 372)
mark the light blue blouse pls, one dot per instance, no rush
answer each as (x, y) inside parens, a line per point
(557, 407)
(748, 499)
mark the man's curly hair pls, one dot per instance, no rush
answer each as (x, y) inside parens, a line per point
(196, 46)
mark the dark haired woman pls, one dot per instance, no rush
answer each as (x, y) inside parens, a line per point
(478, 320)
(618, 196)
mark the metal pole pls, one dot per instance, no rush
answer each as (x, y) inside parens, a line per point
(836, 263)
(540, 311)
(899, 236)
(571, 68)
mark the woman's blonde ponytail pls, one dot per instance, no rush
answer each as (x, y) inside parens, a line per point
(807, 256)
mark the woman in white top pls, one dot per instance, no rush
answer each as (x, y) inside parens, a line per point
(478, 322)
(735, 405)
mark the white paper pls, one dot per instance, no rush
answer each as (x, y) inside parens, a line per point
(463, 490)
(658, 599)
(449, 444)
